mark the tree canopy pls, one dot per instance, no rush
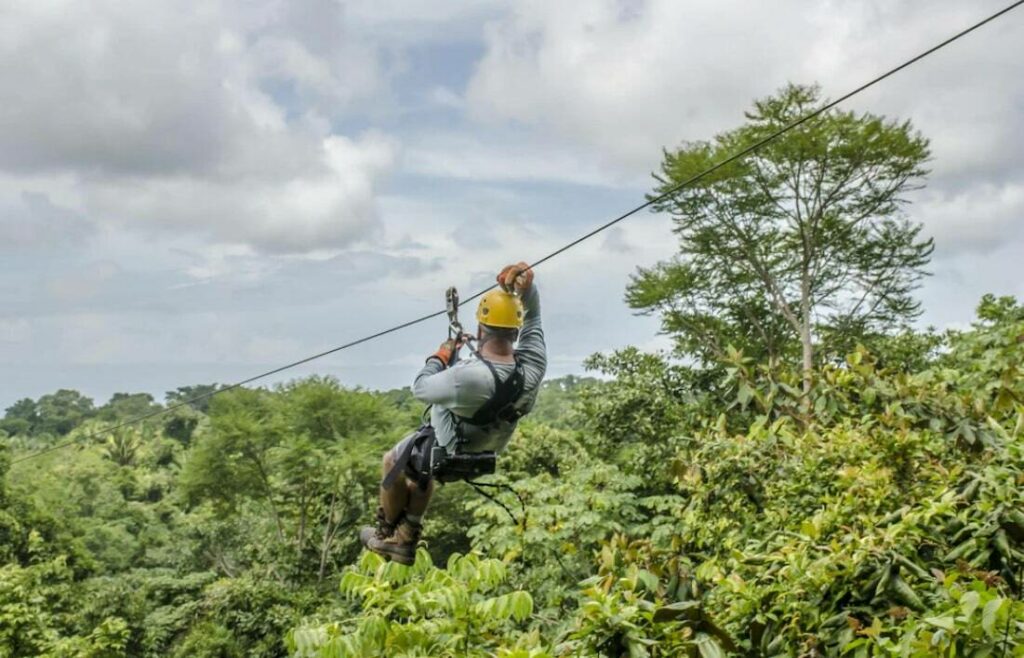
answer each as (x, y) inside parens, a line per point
(801, 244)
(669, 510)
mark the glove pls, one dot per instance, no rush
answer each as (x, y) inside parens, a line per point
(445, 352)
(518, 277)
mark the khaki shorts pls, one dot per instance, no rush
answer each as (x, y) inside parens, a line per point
(415, 458)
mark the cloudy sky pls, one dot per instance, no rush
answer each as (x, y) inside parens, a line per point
(197, 190)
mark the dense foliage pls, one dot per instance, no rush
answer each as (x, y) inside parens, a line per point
(667, 512)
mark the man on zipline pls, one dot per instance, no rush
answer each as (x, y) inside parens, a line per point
(475, 406)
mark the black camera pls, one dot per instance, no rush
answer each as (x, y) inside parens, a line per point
(465, 466)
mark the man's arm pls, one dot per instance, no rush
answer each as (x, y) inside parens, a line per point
(531, 349)
(435, 384)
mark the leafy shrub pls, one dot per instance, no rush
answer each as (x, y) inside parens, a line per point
(423, 610)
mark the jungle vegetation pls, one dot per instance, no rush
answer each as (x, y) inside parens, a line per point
(805, 475)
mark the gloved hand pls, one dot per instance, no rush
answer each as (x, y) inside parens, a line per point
(447, 349)
(517, 278)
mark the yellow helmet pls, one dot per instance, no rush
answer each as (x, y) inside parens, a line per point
(500, 309)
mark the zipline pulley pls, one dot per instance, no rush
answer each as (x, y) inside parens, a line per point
(455, 331)
(452, 306)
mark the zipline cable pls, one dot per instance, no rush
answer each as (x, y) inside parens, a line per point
(603, 227)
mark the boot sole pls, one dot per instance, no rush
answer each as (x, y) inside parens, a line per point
(370, 541)
(368, 538)
(401, 557)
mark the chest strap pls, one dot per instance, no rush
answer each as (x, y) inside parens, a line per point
(501, 405)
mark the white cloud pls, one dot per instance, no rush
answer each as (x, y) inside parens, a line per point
(209, 117)
(617, 240)
(16, 330)
(492, 158)
(330, 206)
(166, 86)
(82, 283)
(221, 260)
(981, 218)
(422, 21)
(629, 79)
(966, 98)
(446, 98)
(31, 220)
(632, 78)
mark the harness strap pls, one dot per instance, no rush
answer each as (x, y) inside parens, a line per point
(422, 438)
(479, 488)
(500, 404)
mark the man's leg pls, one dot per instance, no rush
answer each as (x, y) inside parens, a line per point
(399, 517)
(401, 545)
(418, 500)
(395, 498)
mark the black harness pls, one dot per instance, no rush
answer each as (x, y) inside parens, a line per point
(501, 405)
(422, 459)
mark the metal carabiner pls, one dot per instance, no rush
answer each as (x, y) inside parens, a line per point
(452, 306)
(455, 331)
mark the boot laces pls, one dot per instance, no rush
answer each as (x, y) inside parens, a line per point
(385, 528)
(414, 530)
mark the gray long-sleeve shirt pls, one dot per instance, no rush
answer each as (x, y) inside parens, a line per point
(465, 387)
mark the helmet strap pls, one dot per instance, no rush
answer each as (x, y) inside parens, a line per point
(482, 336)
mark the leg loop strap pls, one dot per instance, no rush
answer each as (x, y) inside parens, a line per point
(416, 466)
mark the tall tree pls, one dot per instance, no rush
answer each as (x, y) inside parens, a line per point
(189, 394)
(63, 411)
(301, 455)
(800, 242)
(20, 417)
(126, 405)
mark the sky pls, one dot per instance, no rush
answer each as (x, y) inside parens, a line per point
(195, 191)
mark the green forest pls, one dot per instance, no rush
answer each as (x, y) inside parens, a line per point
(806, 473)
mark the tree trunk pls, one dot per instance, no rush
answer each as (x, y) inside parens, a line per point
(304, 505)
(330, 528)
(269, 493)
(805, 334)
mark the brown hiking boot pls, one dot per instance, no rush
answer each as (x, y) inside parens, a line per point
(399, 546)
(382, 531)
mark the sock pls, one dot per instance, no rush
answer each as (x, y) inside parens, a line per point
(413, 519)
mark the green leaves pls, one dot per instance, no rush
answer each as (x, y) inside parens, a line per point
(797, 249)
(629, 612)
(974, 625)
(422, 610)
(676, 512)
(516, 605)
